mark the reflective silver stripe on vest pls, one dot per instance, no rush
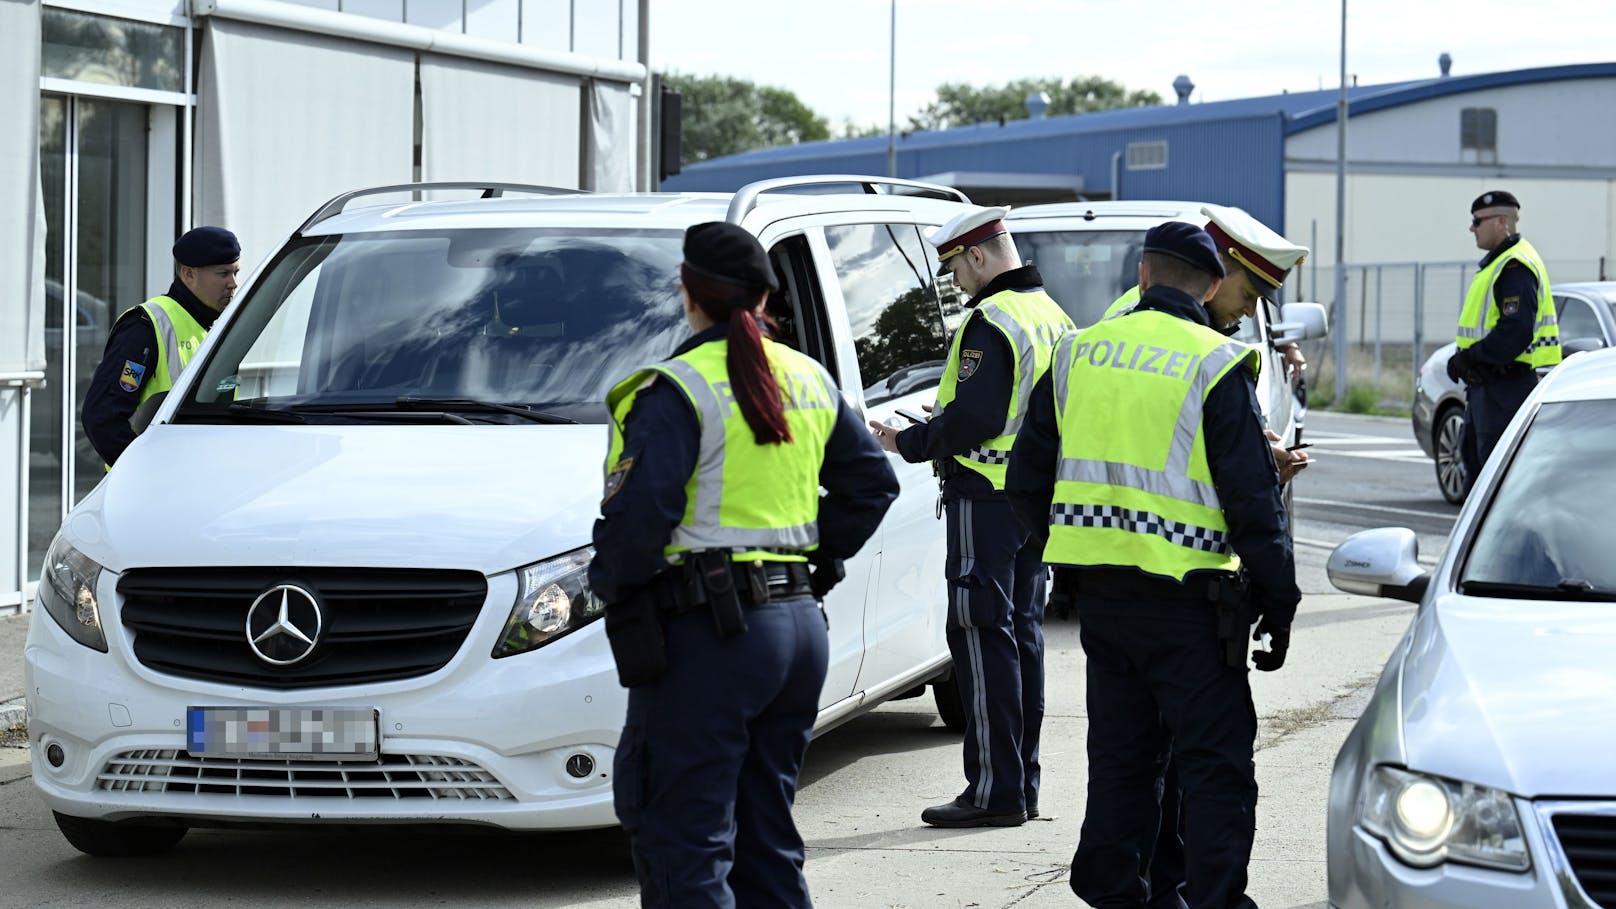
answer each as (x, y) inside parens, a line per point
(1475, 334)
(707, 530)
(1026, 355)
(1115, 517)
(1155, 482)
(169, 338)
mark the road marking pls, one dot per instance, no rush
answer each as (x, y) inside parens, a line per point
(1386, 508)
(1388, 448)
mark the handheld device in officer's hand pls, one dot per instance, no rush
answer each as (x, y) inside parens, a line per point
(909, 415)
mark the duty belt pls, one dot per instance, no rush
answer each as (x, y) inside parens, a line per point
(785, 580)
(1115, 584)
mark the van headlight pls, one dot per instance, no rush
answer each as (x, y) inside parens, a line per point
(1427, 820)
(553, 599)
(67, 591)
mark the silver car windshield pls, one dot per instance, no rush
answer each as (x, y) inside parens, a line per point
(1549, 527)
(545, 319)
(1085, 271)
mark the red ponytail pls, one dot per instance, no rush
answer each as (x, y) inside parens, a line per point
(752, 381)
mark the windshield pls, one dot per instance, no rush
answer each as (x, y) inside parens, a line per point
(1085, 271)
(1549, 523)
(547, 319)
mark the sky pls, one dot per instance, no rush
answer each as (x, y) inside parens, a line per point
(834, 54)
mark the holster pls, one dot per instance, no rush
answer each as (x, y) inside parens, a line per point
(634, 631)
(711, 578)
(1229, 601)
(1063, 592)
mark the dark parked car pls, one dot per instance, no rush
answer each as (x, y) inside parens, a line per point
(1587, 317)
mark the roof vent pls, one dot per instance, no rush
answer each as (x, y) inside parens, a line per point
(1445, 62)
(1183, 86)
(1037, 103)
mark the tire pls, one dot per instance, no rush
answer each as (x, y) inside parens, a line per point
(950, 707)
(110, 839)
(1447, 437)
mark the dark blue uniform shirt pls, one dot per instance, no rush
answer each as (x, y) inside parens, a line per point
(981, 401)
(663, 436)
(1237, 452)
(1513, 333)
(108, 405)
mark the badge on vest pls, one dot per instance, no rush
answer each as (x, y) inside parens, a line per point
(129, 379)
(614, 480)
(1509, 306)
(969, 361)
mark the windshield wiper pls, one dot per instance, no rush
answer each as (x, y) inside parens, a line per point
(469, 404)
(1568, 589)
(252, 413)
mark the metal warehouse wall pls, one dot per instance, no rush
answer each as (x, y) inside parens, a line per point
(1231, 161)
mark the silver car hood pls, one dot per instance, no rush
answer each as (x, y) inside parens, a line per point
(1519, 695)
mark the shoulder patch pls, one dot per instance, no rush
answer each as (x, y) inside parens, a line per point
(969, 361)
(616, 478)
(129, 380)
(1509, 305)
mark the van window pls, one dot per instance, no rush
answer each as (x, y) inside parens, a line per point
(892, 306)
(1084, 270)
(545, 318)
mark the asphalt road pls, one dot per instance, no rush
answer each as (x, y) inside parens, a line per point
(864, 784)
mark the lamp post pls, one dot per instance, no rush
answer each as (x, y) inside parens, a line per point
(892, 96)
(1340, 327)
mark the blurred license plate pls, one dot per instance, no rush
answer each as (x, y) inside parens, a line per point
(310, 733)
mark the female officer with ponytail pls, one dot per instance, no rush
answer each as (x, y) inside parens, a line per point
(710, 522)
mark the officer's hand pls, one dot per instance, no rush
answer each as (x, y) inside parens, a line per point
(1279, 643)
(1459, 364)
(826, 574)
(885, 435)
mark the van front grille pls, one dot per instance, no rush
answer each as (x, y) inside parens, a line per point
(391, 776)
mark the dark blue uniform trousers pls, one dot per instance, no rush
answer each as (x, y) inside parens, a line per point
(1488, 410)
(996, 636)
(706, 770)
(1157, 685)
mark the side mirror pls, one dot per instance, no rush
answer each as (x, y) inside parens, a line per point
(1300, 322)
(1581, 345)
(1383, 562)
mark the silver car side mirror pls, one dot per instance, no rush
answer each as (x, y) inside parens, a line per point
(1383, 562)
(1300, 322)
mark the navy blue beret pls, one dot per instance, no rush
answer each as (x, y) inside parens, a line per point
(1185, 241)
(1496, 199)
(729, 253)
(206, 246)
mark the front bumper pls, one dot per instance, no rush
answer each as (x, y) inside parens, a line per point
(480, 741)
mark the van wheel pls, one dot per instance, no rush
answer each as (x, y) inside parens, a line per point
(112, 839)
(945, 691)
(1450, 469)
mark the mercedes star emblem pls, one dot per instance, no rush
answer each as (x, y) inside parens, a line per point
(283, 624)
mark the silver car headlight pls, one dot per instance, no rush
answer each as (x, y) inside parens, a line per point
(67, 591)
(552, 600)
(1427, 820)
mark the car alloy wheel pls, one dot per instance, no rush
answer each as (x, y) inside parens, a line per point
(1450, 468)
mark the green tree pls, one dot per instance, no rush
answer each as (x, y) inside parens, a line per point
(724, 115)
(958, 104)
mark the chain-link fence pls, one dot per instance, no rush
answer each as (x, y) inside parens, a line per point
(1396, 315)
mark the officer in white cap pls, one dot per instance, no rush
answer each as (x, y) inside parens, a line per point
(995, 577)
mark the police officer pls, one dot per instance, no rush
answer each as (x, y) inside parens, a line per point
(152, 342)
(996, 589)
(1143, 460)
(711, 516)
(1507, 327)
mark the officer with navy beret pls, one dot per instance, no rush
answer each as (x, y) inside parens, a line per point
(711, 589)
(996, 589)
(1507, 327)
(1167, 529)
(152, 342)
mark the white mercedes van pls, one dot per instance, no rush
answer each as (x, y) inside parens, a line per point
(341, 577)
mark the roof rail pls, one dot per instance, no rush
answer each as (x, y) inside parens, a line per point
(746, 198)
(490, 191)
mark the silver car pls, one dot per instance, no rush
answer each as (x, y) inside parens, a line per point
(1480, 774)
(1587, 322)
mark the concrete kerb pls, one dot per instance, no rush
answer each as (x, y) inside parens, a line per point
(13, 635)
